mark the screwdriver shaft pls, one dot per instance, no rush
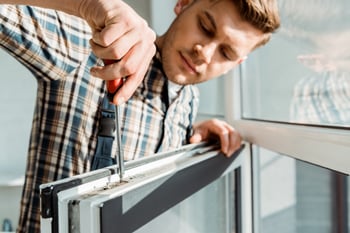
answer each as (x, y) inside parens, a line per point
(120, 153)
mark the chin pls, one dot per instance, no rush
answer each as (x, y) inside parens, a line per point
(178, 82)
(181, 80)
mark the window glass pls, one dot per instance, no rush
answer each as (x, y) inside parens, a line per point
(302, 74)
(293, 196)
(211, 102)
(210, 210)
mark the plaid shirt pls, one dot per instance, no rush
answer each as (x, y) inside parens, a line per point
(55, 48)
(322, 98)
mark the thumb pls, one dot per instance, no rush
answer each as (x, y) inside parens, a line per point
(195, 138)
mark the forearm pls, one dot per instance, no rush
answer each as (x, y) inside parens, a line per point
(38, 51)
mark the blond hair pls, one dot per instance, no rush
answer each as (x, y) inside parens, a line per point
(262, 14)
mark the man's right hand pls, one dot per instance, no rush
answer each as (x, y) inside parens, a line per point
(120, 34)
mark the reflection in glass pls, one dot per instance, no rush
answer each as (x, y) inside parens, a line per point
(303, 74)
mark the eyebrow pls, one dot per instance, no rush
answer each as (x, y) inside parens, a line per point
(213, 24)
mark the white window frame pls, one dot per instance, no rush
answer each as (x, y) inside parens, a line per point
(185, 170)
(328, 147)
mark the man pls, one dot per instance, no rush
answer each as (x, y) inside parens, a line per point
(207, 39)
(34, 38)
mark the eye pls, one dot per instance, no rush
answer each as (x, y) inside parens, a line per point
(225, 54)
(204, 27)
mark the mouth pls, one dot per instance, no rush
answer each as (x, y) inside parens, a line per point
(188, 64)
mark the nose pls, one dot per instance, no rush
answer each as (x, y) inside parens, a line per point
(205, 52)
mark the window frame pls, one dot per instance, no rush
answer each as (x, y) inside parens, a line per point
(321, 145)
(325, 146)
(76, 204)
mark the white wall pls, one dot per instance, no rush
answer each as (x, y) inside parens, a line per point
(17, 93)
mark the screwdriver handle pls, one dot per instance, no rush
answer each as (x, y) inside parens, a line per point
(112, 85)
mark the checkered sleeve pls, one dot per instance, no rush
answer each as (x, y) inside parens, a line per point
(33, 36)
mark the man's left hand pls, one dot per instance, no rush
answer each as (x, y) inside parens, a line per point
(230, 139)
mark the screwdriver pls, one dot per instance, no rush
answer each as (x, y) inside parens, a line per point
(112, 87)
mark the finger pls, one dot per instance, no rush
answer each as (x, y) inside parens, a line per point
(116, 26)
(138, 57)
(124, 67)
(109, 34)
(234, 143)
(121, 23)
(133, 81)
(224, 141)
(119, 47)
(196, 138)
(227, 140)
(107, 72)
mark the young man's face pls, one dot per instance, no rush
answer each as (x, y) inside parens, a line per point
(206, 40)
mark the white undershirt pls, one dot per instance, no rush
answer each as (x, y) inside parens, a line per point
(173, 90)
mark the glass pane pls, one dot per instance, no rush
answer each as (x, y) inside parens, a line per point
(211, 103)
(293, 196)
(210, 210)
(302, 74)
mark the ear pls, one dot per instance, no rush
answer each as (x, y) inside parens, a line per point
(180, 5)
